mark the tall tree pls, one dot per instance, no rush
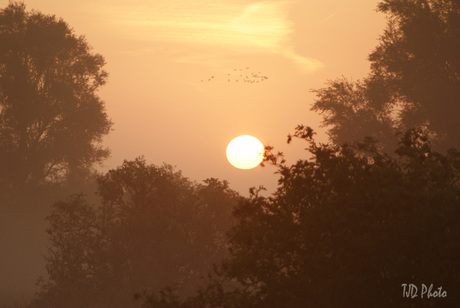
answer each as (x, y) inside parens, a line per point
(153, 228)
(51, 118)
(414, 79)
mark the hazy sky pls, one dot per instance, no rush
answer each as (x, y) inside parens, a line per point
(161, 53)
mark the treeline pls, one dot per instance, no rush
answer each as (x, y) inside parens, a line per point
(152, 228)
(376, 208)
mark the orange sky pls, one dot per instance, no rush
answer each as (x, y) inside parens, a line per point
(159, 51)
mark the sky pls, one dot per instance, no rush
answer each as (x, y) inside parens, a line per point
(177, 69)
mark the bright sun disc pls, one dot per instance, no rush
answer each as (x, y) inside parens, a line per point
(245, 152)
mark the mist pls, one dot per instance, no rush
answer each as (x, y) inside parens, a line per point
(115, 188)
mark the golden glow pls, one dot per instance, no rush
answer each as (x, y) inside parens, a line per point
(245, 152)
(261, 27)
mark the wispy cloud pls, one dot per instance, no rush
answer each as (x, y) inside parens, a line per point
(252, 27)
(327, 18)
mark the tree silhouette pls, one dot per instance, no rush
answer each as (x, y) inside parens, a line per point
(346, 228)
(414, 79)
(153, 228)
(51, 118)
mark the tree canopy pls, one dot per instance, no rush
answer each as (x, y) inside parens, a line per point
(414, 79)
(152, 228)
(348, 227)
(51, 118)
(345, 228)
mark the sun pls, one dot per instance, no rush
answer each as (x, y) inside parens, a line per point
(245, 152)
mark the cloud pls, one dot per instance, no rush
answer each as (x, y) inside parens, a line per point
(328, 18)
(260, 27)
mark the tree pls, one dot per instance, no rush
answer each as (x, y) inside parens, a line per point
(153, 228)
(345, 228)
(352, 112)
(350, 226)
(414, 79)
(51, 119)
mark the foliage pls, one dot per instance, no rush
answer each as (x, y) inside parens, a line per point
(51, 119)
(346, 228)
(153, 228)
(350, 226)
(350, 110)
(414, 79)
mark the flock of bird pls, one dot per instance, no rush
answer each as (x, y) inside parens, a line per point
(243, 75)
